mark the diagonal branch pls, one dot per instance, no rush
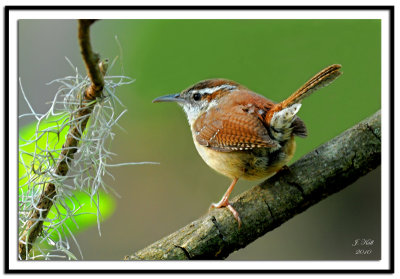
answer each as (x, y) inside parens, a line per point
(96, 71)
(322, 172)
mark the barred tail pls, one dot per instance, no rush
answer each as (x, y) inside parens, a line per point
(322, 79)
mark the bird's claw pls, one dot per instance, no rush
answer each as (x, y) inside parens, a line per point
(225, 203)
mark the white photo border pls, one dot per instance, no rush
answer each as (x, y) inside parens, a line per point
(14, 14)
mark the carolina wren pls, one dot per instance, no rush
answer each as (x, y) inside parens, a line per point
(241, 134)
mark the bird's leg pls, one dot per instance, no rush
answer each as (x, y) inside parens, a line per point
(224, 202)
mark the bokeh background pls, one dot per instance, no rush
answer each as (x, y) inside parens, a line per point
(271, 57)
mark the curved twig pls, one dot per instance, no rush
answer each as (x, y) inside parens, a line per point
(96, 71)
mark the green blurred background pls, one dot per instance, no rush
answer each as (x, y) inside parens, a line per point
(271, 57)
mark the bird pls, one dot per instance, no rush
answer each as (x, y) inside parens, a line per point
(242, 134)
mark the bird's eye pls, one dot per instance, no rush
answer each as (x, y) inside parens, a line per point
(196, 96)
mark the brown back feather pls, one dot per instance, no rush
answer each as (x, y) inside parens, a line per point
(243, 129)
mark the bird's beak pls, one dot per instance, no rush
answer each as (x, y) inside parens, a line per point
(170, 98)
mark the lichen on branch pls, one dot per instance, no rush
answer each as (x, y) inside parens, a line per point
(52, 173)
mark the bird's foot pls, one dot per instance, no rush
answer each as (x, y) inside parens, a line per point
(225, 203)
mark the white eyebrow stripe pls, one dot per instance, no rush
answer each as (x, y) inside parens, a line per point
(214, 89)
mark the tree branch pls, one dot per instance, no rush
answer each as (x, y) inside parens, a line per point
(322, 172)
(95, 71)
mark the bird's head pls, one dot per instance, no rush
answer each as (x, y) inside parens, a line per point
(200, 97)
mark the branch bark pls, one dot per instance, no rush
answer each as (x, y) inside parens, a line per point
(322, 172)
(95, 71)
